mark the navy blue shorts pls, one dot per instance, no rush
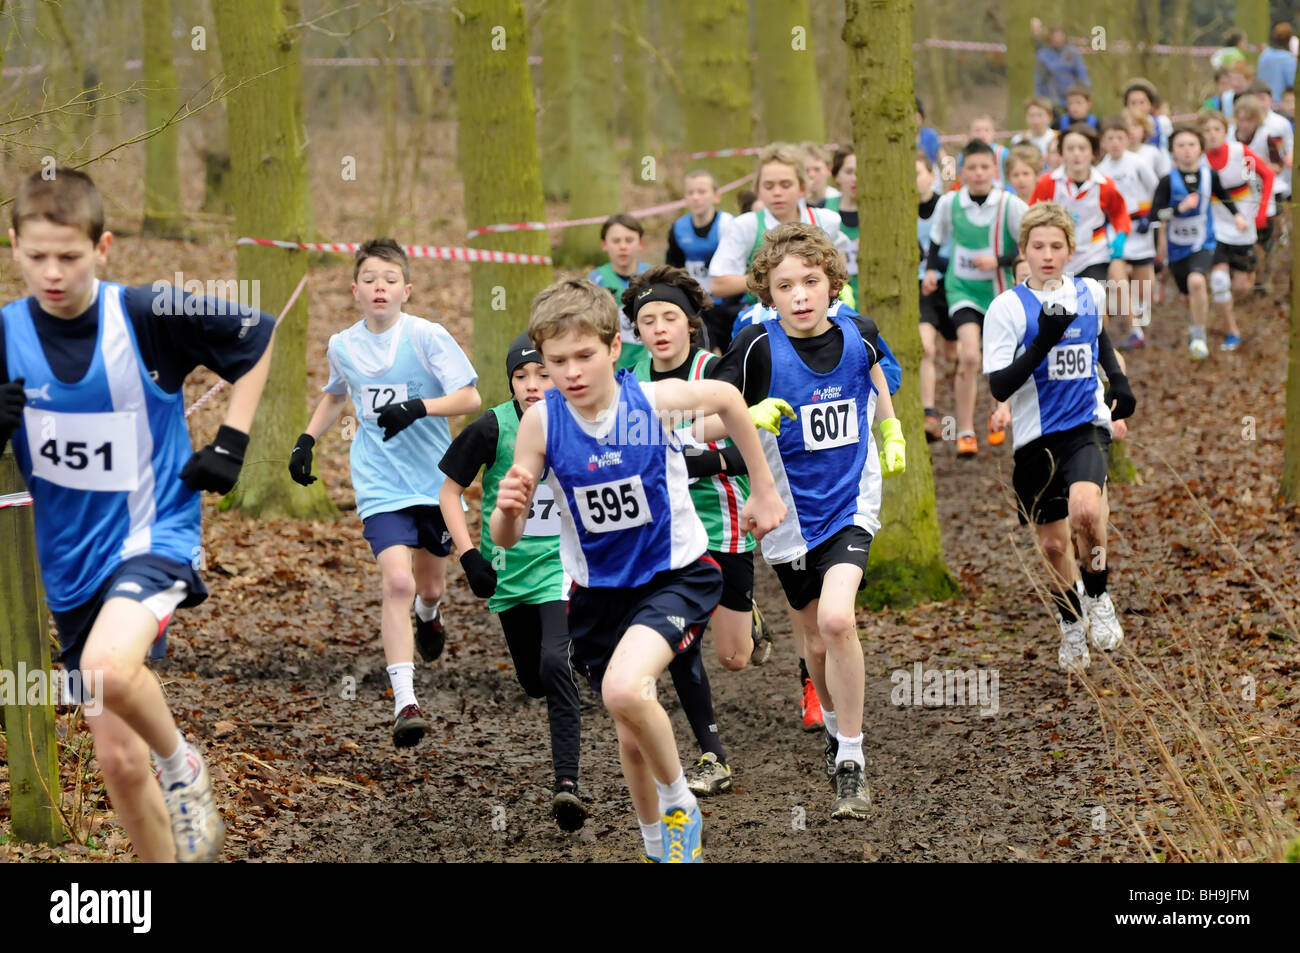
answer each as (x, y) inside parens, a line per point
(801, 579)
(676, 603)
(419, 527)
(161, 585)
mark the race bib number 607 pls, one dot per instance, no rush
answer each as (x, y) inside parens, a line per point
(83, 451)
(612, 506)
(832, 424)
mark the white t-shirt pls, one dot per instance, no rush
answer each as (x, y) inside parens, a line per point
(1043, 142)
(732, 256)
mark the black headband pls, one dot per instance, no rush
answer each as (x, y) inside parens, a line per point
(662, 292)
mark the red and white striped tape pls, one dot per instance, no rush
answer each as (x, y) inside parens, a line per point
(1008, 133)
(442, 252)
(598, 219)
(1082, 43)
(15, 499)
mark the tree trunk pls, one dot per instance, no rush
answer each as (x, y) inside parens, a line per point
(269, 170)
(1120, 468)
(667, 41)
(907, 564)
(1252, 19)
(593, 154)
(498, 161)
(1020, 59)
(788, 93)
(112, 70)
(636, 103)
(1290, 488)
(162, 168)
(556, 95)
(717, 108)
(832, 69)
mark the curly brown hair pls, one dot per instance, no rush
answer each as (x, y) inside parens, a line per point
(806, 242)
(678, 278)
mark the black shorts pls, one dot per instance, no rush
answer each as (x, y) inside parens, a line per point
(1096, 271)
(161, 585)
(1047, 467)
(719, 319)
(1199, 261)
(934, 311)
(737, 579)
(1237, 257)
(967, 316)
(802, 579)
(1267, 235)
(420, 527)
(676, 603)
(1139, 262)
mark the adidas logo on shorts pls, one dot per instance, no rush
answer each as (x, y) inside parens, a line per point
(133, 587)
(688, 638)
(677, 621)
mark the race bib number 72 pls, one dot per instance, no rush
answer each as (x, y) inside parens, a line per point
(612, 506)
(83, 451)
(375, 397)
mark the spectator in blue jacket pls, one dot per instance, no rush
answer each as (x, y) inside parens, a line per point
(1057, 64)
(1276, 64)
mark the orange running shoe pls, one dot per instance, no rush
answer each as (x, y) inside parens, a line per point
(933, 427)
(996, 436)
(967, 445)
(812, 707)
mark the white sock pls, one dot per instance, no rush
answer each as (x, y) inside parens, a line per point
(653, 836)
(402, 677)
(1198, 332)
(175, 769)
(676, 794)
(423, 611)
(850, 750)
(830, 721)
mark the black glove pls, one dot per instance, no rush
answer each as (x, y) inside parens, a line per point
(1122, 395)
(300, 460)
(397, 417)
(216, 467)
(1053, 319)
(478, 570)
(1143, 225)
(12, 402)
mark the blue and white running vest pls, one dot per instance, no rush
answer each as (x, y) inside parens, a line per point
(1193, 230)
(626, 511)
(825, 468)
(1065, 383)
(403, 471)
(108, 451)
(923, 226)
(698, 251)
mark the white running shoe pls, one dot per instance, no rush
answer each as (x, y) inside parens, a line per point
(1103, 625)
(1073, 656)
(197, 826)
(1198, 350)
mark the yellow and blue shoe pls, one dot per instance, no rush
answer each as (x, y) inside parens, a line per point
(647, 859)
(681, 832)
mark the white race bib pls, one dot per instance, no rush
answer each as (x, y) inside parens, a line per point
(94, 452)
(1069, 362)
(852, 256)
(375, 397)
(1187, 231)
(699, 270)
(963, 264)
(543, 514)
(832, 424)
(612, 506)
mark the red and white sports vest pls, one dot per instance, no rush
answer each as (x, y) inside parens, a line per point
(1243, 185)
(1084, 205)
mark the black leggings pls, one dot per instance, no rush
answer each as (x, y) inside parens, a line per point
(692, 684)
(538, 637)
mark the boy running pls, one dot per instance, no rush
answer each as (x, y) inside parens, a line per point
(91, 394)
(622, 238)
(1136, 181)
(693, 239)
(825, 375)
(524, 586)
(397, 369)
(644, 585)
(1043, 342)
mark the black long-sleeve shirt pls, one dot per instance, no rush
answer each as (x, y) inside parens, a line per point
(1162, 199)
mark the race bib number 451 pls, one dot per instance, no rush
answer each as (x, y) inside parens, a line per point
(612, 506)
(832, 424)
(83, 451)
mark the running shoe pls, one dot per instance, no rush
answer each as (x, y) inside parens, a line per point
(1136, 338)
(830, 752)
(852, 799)
(1103, 625)
(812, 707)
(197, 826)
(430, 636)
(762, 636)
(933, 426)
(1198, 350)
(995, 436)
(1231, 342)
(709, 776)
(681, 833)
(1073, 656)
(410, 727)
(567, 808)
(967, 445)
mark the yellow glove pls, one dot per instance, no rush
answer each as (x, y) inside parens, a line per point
(848, 297)
(893, 450)
(767, 414)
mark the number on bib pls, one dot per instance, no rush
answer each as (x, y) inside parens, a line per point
(543, 514)
(94, 452)
(964, 264)
(852, 257)
(375, 397)
(1069, 362)
(832, 424)
(616, 505)
(1187, 231)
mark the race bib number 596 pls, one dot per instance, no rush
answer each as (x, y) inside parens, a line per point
(1069, 362)
(83, 451)
(616, 505)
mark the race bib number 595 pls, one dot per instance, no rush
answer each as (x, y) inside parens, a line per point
(83, 451)
(616, 505)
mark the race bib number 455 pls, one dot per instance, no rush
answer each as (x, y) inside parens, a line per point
(832, 424)
(83, 451)
(616, 505)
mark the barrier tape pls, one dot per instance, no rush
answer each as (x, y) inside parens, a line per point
(441, 252)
